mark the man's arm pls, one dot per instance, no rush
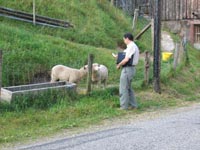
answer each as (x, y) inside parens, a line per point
(123, 62)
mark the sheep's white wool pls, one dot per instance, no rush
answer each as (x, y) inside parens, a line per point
(67, 74)
(99, 74)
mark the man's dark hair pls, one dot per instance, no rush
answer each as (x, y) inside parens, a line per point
(129, 36)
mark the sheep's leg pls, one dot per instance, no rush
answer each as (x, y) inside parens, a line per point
(104, 84)
(53, 80)
(99, 84)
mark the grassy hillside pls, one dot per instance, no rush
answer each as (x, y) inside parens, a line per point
(95, 22)
(30, 50)
(26, 54)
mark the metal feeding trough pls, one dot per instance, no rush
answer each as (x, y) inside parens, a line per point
(9, 93)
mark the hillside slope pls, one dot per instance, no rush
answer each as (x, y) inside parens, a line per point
(30, 51)
(96, 22)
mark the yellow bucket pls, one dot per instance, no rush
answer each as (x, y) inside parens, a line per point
(166, 56)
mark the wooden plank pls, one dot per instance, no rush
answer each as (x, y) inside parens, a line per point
(168, 10)
(174, 10)
(195, 33)
(198, 34)
(186, 9)
(189, 9)
(136, 13)
(34, 12)
(193, 7)
(178, 10)
(143, 31)
(165, 9)
(181, 9)
(196, 6)
(171, 9)
(157, 43)
(176, 55)
(162, 13)
(89, 76)
(147, 67)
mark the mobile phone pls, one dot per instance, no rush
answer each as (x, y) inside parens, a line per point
(114, 55)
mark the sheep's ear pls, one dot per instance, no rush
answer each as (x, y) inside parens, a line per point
(85, 67)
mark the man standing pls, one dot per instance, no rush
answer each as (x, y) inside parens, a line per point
(127, 97)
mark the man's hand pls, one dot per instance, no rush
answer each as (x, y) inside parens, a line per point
(118, 66)
(114, 55)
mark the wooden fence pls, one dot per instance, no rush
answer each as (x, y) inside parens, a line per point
(130, 5)
(171, 9)
(179, 9)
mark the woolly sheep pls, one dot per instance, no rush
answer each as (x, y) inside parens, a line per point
(99, 74)
(67, 74)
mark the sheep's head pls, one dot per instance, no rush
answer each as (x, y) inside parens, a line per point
(95, 71)
(84, 70)
(95, 67)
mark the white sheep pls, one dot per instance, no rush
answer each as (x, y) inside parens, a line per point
(67, 74)
(99, 74)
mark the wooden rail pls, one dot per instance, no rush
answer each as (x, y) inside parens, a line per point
(142, 31)
(19, 15)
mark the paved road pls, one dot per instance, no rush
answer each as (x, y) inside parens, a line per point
(176, 131)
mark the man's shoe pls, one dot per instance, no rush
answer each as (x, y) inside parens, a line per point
(132, 108)
(122, 108)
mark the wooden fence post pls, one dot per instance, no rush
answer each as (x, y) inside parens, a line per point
(176, 55)
(152, 34)
(135, 19)
(157, 45)
(90, 62)
(34, 12)
(146, 67)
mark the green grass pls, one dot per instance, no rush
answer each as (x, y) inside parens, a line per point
(29, 50)
(64, 114)
(95, 22)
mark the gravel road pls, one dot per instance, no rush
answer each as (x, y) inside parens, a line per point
(176, 129)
